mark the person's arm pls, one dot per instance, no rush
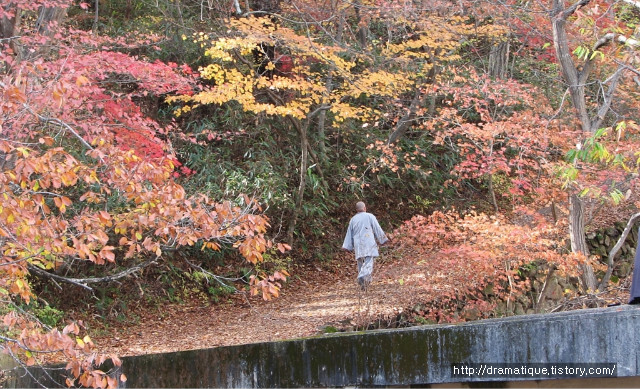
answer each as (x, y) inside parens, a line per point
(377, 231)
(348, 240)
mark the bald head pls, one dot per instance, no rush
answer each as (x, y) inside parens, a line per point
(360, 207)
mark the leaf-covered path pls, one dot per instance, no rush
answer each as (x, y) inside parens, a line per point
(325, 297)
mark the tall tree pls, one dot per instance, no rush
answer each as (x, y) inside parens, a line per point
(605, 30)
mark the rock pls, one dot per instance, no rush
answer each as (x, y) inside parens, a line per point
(601, 251)
(562, 282)
(624, 269)
(555, 291)
(471, 314)
(501, 308)
(518, 309)
(612, 231)
(546, 306)
(607, 241)
(591, 235)
(524, 300)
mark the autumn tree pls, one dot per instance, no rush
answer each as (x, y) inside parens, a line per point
(87, 177)
(593, 44)
(605, 37)
(335, 81)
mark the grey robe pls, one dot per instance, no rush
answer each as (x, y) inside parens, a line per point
(635, 280)
(362, 234)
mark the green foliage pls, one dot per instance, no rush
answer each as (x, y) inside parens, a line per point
(233, 163)
(422, 321)
(219, 292)
(273, 261)
(525, 270)
(49, 315)
(330, 330)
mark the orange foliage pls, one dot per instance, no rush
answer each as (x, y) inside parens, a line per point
(464, 254)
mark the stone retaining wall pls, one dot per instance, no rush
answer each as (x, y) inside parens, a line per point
(401, 357)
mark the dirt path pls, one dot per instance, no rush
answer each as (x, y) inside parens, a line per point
(305, 307)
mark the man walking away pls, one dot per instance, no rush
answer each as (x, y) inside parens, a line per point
(363, 235)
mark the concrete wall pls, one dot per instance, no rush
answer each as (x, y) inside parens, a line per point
(414, 356)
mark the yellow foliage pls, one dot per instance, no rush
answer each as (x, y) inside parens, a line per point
(395, 68)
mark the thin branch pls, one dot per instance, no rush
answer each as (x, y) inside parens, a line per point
(10, 38)
(555, 115)
(564, 14)
(60, 123)
(82, 282)
(219, 279)
(616, 248)
(608, 98)
(21, 259)
(627, 67)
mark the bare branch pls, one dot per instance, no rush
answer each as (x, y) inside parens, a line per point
(405, 121)
(82, 282)
(60, 123)
(236, 4)
(608, 98)
(565, 13)
(219, 279)
(616, 248)
(21, 259)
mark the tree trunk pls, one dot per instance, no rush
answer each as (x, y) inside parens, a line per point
(499, 59)
(362, 34)
(569, 70)
(578, 241)
(47, 17)
(405, 122)
(96, 17)
(492, 192)
(304, 161)
(322, 118)
(9, 28)
(7, 161)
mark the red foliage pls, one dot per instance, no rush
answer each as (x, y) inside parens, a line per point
(284, 64)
